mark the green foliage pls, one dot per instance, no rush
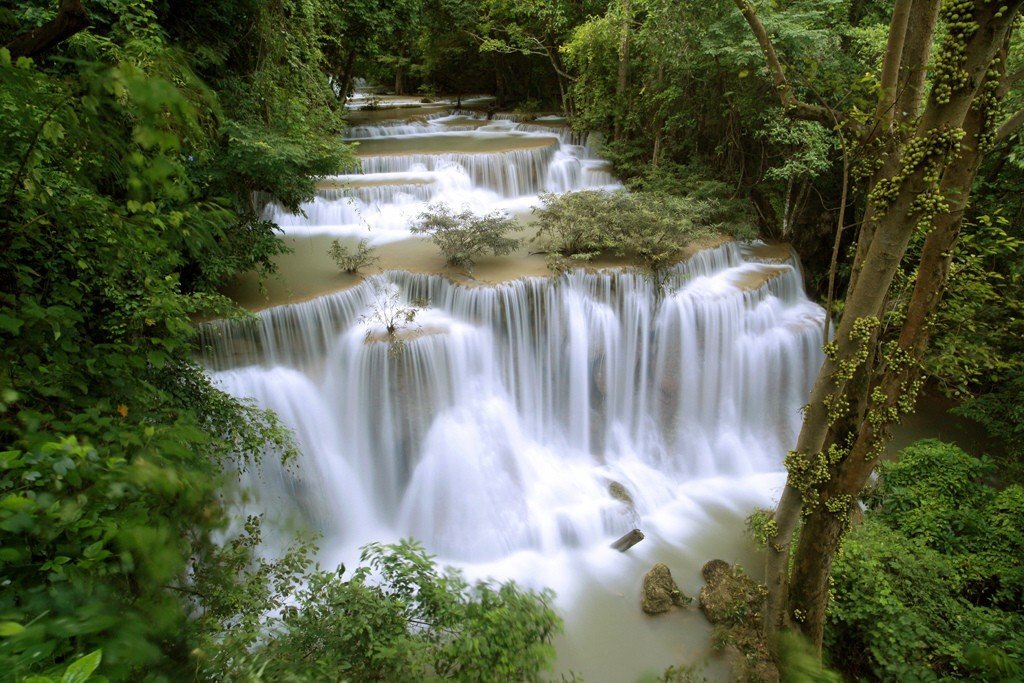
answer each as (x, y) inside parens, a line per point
(981, 323)
(398, 617)
(129, 163)
(931, 585)
(79, 671)
(651, 228)
(351, 261)
(465, 236)
(114, 441)
(696, 93)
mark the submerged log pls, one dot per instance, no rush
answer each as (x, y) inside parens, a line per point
(628, 541)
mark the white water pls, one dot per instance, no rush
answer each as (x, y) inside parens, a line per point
(502, 423)
(497, 165)
(493, 437)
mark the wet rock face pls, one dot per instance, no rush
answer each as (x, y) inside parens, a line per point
(660, 592)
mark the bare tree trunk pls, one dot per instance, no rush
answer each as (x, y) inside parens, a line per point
(399, 78)
(71, 18)
(914, 62)
(346, 77)
(622, 84)
(891, 66)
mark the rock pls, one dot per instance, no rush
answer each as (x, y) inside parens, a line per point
(619, 492)
(660, 592)
(734, 603)
(728, 595)
(628, 541)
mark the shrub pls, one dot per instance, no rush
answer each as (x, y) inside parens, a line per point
(397, 618)
(398, 318)
(351, 261)
(464, 236)
(931, 584)
(652, 228)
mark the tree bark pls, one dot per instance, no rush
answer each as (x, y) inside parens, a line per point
(71, 18)
(914, 61)
(891, 66)
(885, 237)
(622, 83)
(896, 381)
(346, 77)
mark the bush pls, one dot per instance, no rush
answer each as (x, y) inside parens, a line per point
(397, 618)
(352, 261)
(931, 584)
(652, 228)
(464, 236)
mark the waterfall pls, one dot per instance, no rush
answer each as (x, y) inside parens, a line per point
(462, 159)
(509, 411)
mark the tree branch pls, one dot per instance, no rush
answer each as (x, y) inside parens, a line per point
(71, 18)
(1009, 127)
(893, 58)
(793, 106)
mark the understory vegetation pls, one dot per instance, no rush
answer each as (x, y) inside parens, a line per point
(930, 585)
(652, 229)
(352, 260)
(464, 236)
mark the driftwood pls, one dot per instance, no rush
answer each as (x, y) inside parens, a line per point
(628, 541)
(71, 18)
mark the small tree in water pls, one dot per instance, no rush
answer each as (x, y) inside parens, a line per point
(464, 236)
(351, 261)
(392, 313)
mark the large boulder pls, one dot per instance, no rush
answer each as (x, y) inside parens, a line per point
(660, 592)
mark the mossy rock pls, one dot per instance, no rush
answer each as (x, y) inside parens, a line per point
(660, 592)
(734, 603)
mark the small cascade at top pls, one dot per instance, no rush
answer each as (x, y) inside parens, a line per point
(462, 159)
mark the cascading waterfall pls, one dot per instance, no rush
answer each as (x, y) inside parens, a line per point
(509, 411)
(461, 159)
(517, 429)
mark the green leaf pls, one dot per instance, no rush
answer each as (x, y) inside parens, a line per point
(10, 628)
(9, 324)
(80, 670)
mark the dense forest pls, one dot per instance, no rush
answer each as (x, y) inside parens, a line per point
(142, 139)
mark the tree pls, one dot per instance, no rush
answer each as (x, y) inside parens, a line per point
(927, 153)
(464, 236)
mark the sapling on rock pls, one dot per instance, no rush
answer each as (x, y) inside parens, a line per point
(351, 261)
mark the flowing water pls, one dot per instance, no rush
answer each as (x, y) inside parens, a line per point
(462, 159)
(518, 429)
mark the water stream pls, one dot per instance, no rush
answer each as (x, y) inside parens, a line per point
(522, 427)
(461, 159)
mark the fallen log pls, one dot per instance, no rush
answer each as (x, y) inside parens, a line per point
(628, 541)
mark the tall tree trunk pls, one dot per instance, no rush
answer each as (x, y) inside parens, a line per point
(622, 83)
(896, 210)
(895, 383)
(399, 78)
(346, 76)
